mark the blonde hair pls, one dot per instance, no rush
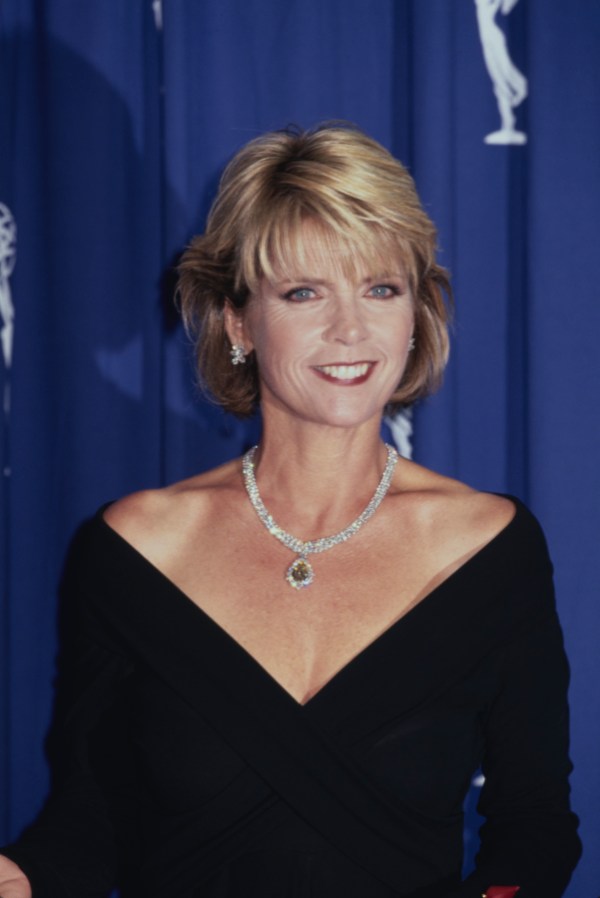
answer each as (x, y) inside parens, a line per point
(363, 202)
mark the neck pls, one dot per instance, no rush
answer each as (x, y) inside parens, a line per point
(317, 480)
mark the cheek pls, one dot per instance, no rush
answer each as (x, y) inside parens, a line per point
(396, 334)
(271, 342)
(279, 338)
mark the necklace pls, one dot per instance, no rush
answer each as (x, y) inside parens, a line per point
(300, 573)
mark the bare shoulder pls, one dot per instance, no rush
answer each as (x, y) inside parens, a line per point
(154, 520)
(448, 509)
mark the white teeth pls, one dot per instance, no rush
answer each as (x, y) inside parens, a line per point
(345, 372)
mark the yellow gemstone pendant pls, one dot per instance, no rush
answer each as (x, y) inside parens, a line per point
(300, 573)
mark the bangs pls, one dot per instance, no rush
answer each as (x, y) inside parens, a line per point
(296, 242)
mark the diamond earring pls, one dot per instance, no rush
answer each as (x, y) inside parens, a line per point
(238, 356)
(411, 344)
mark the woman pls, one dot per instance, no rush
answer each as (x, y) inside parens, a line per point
(257, 710)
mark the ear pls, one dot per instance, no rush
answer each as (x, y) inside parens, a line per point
(235, 326)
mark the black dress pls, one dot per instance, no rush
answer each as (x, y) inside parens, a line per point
(185, 771)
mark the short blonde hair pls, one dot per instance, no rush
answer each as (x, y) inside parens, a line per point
(362, 200)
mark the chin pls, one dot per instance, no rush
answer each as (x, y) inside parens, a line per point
(348, 417)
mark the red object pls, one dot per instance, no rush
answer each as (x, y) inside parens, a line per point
(502, 891)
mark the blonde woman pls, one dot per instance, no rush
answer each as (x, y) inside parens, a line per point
(289, 667)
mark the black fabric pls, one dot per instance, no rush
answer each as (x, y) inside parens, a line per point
(186, 770)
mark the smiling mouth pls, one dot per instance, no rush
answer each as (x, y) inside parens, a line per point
(346, 374)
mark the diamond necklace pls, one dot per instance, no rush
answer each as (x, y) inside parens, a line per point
(300, 573)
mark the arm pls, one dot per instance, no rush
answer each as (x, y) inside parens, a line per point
(71, 848)
(529, 837)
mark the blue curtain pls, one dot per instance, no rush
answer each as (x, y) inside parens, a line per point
(115, 122)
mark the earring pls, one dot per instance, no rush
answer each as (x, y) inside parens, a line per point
(411, 344)
(238, 356)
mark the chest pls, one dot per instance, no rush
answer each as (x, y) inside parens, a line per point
(303, 637)
(419, 752)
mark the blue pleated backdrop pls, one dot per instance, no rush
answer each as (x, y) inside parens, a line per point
(115, 121)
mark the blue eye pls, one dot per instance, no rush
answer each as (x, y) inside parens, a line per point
(299, 294)
(384, 291)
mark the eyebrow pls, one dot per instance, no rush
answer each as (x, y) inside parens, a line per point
(383, 275)
(321, 282)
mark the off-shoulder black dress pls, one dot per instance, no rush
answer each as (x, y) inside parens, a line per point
(185, 771)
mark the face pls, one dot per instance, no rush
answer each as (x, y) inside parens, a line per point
(331, 347)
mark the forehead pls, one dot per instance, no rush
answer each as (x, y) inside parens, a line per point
(316, 251)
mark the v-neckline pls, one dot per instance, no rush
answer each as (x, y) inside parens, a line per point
(359, 658)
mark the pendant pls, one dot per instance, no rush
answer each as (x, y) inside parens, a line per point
(300, 573)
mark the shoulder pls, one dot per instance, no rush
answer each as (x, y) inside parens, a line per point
(450, 512)
(493, 537)
(498, 533)
(154, 520)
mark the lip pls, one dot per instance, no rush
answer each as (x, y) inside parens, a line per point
(345, 374)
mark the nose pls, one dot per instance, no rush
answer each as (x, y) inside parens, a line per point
(346, 325)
